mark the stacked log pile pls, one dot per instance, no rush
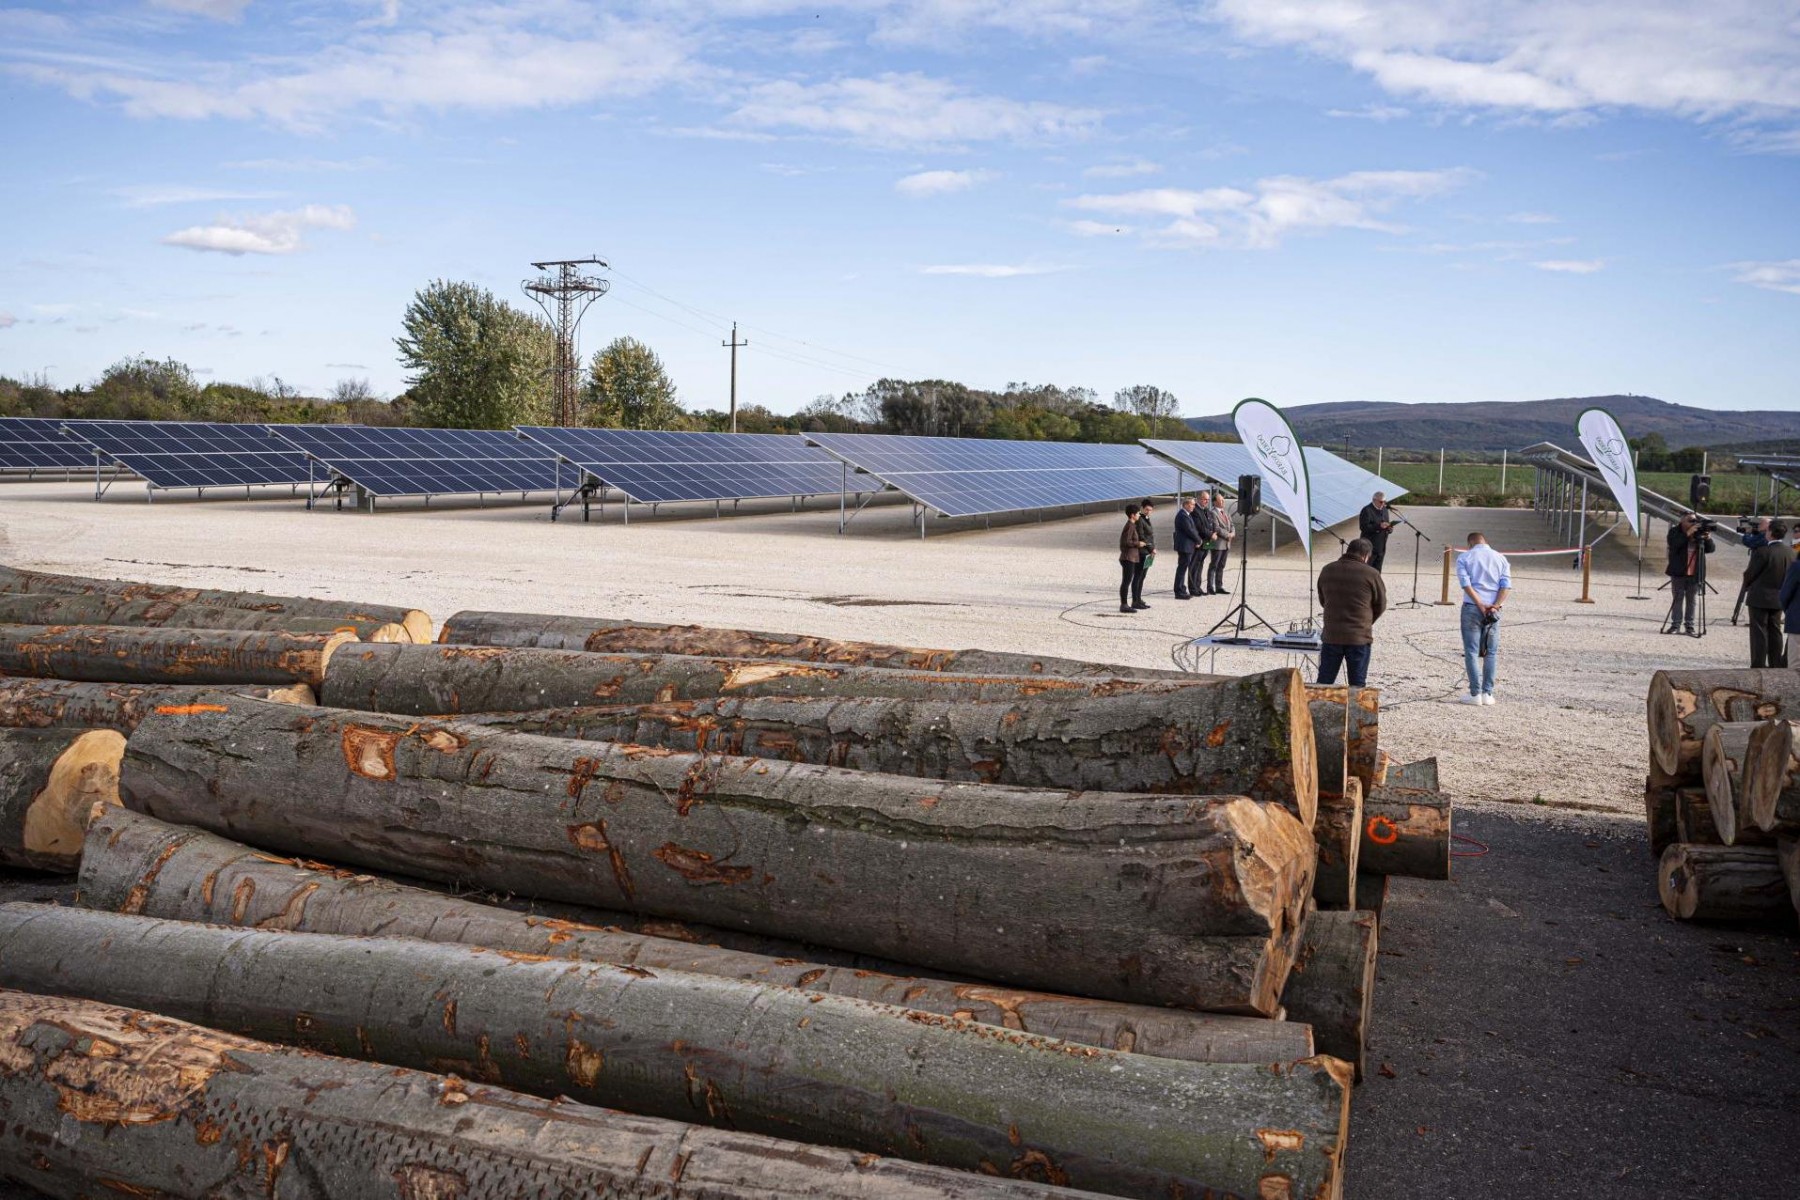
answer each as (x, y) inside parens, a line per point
(1722, 795)
(828, 919)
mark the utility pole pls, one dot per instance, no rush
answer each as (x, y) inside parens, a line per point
(564, 294)
(734, 344)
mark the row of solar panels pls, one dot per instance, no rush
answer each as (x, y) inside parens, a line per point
(957, 477)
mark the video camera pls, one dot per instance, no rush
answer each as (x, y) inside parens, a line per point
(1745, 524)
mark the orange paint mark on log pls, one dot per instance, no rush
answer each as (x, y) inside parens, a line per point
(370, 752)
(189, 710)
(697, 866)
(1382, 831)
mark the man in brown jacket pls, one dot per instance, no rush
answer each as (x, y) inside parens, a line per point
(1353, 597)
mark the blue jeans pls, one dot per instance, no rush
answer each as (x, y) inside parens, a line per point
(1481, 680)
(1354, 658)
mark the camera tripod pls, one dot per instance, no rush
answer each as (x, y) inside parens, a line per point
(1669, 622)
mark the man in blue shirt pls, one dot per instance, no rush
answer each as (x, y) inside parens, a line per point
(1486, 578)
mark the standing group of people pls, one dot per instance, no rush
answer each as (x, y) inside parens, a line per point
(1204, 530)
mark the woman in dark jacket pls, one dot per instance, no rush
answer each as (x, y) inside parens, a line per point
(1131, 553)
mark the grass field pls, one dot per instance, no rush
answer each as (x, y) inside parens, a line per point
(1480, 482)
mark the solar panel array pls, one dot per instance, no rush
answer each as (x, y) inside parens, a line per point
(971, 477)
(38, 443)
(656, 466)
(426, 462)
(194, 454)
(1337, 487)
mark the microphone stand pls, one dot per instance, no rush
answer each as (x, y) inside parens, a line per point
(1418, 539)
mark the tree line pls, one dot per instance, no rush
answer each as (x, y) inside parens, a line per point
(474, 361)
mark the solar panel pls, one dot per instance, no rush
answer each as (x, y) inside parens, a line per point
(38, 443)
(387, 461)
(194, 454)
(971, 477)
(656, 466)
(1337, 487)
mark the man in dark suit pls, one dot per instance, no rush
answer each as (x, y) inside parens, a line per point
(1375, 522)
(1762, 595)
(1187, 544)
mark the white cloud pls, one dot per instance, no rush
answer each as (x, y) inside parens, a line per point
(988, 270)
(154, 195)
(269, 233)
(1123, 170)
(1774, 276)
(1571, 266)
(937, 183)
(1379, 113)
(1099, 229)
(907, 109)
(1273, 208)
(1532, 218)
(1738, 58)
(218, 10)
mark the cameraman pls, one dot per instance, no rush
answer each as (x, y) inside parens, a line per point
(1763, 578)
(1690, 541)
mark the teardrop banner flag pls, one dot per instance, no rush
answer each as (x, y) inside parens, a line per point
(1599, 431)
(1276, 451)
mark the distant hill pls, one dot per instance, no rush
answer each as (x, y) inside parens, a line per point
(1512, 425)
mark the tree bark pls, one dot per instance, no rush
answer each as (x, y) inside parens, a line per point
(42, 703)
(137, 864)
(1371, 892)
(1682, 705)
(1363, 744)
(1010, 884)
(1422, 774)
(50, 780)
(125, 654)
(1722, 883)
(103, 1100)
(1250, 736)
(603, 636)
(1787, 853)
(771, 1060)
(14, 582)
(1406, 831)
(1772, 778)
(1333, 984)
(440, 680)
(102, 609)
(1330, 709)
(1338, 835)
(1694, 818)
(1661, 804)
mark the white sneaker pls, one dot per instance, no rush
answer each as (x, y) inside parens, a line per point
(1487, 697)
(1468, 699)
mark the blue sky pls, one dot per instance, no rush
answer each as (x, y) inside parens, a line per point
(1346, 200)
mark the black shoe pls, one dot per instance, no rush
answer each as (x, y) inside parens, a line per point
(1140, 606)
(1181, 595)
(1126, 608)
(1689, 631)
(1672, 629)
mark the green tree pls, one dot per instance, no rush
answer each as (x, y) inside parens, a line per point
(628, 389)
(1158, 408)
(475, 361)
(144, 389)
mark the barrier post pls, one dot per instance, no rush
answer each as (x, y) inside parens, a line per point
(1587, 574)
(1449, 554)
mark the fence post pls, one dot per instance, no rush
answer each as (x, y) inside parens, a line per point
(1440, 470)
(1503, 474)
(1448, 555)
(1378, 451)
(1587, 574)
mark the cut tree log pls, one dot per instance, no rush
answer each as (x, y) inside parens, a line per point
(1250, 737)
(1363, 743)
(1694, 818)
(1338, 835)
(127, 654)
(1772, 778)
(601, 635)
(101, 609)
(1406, 831)
(431, 681)
(1422, 774)
(1010, 884)
(50, 781)
(771, 1060)
(1661, 804)
(137, 864)
(1330, 709)
(1723, 754)
(14, 581)
(1787, 853)
(1682, 705)
(1371, 892)
(43, 703)
(1332, 987)
(1722, 883)
(142, 1105)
